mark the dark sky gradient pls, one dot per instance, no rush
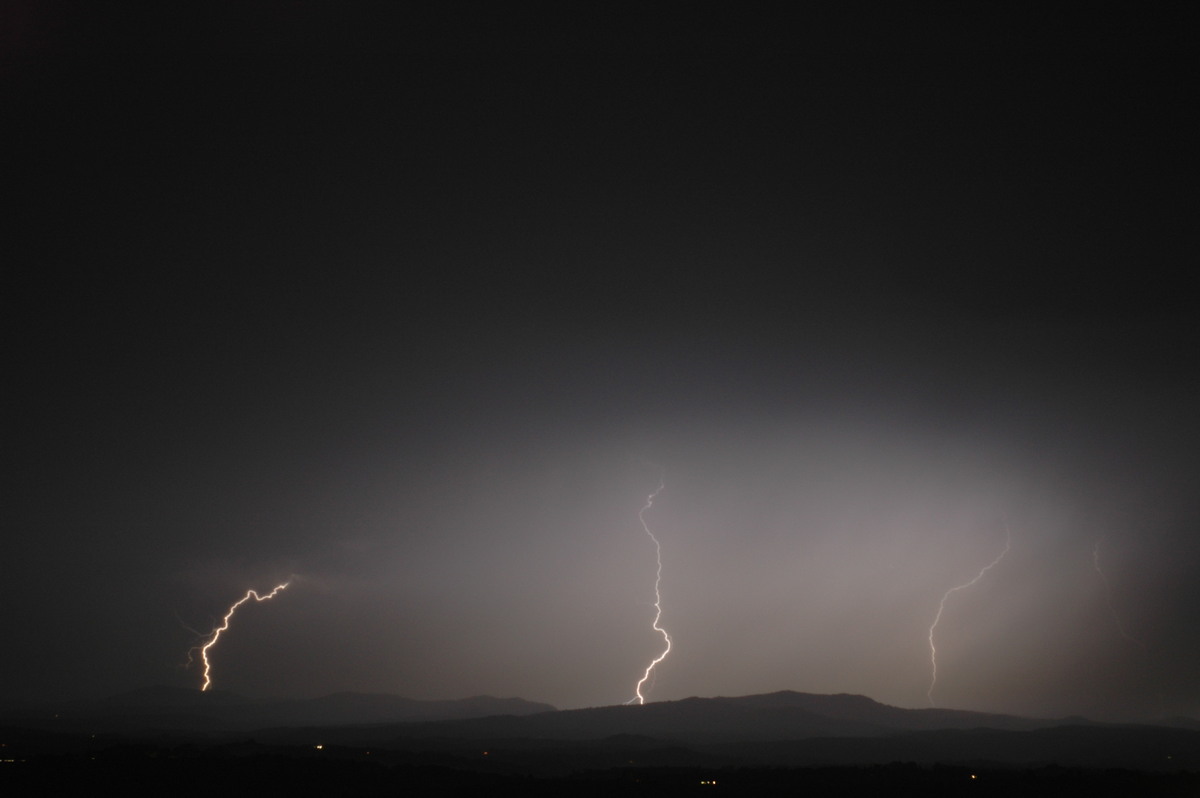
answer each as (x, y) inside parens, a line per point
(421, 308)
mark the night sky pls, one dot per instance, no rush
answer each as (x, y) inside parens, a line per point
(418, 309)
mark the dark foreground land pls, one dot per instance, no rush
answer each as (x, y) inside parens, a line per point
(282, 775)
(186, 743)
(252, 769)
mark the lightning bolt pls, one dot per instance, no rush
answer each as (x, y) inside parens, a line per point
(1108, 592)
(216, 633)
(638, 697)
(942, 607)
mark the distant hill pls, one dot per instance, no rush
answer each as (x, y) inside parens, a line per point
(774, 716)
(183, 710)
(785, 729)
(514, 736)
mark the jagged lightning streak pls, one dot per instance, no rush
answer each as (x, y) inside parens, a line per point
(216, 633)
(1108, 592)
(638, 697)
(942, 607)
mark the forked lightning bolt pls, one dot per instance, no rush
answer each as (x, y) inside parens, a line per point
(1108, 592)
(216, 633)
(942, 607)
(638, 697)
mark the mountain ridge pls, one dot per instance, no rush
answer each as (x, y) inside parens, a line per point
(779, 715)
(166, 708)
(484, 733)
(783, 715)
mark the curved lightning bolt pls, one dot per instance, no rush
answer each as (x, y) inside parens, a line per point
(1108, 592)
(638, 697)
(216, 633)
(942, 606)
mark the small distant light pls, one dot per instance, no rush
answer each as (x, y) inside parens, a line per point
(972, 776)
(318, 746)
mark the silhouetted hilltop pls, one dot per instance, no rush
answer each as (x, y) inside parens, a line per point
(773, 716)
(772, 730)
(861, 709)
(162, 697)
(177, 709)
(784, 729)
(513, 737)
(346, 708)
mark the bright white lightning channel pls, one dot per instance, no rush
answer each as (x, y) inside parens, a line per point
(638, 697)
(1108, 592)
(216, 633)
(942, 607)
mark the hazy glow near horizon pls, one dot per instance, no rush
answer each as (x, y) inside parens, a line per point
(818, 558)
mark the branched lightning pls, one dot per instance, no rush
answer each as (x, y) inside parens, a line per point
(216, 632)
(942, 607)
(638, 697)
(1108, 592)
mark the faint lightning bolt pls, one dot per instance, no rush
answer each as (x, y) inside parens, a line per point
(1108, 592)
(216, 633)
(190, 629)
(638, 697)
(942, 607)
